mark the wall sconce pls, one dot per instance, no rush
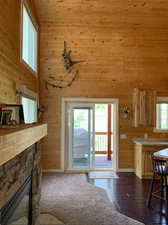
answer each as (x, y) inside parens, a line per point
(126, 112)
(41, 109)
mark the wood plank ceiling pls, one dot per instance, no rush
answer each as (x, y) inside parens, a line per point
(111, 13)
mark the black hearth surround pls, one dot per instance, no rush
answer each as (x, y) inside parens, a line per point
(19, 208)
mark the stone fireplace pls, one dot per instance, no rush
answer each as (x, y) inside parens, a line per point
(20, 182)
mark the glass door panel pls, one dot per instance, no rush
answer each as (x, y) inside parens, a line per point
(103, 133)
(81, 138)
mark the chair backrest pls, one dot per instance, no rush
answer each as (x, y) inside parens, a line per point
(158, 165)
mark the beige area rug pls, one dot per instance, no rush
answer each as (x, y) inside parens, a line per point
(102, 175)
(73, 201)
(47, 219)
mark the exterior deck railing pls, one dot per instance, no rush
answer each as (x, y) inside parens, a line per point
(101, 142)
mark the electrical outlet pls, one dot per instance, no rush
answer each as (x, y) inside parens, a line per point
(145, 135)
(123, 136)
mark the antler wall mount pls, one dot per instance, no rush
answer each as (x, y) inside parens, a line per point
(67, 61)
(70, 73)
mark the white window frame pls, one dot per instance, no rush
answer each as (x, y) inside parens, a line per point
(160, 100)
(35, 112)
(25, 4)
(27, 93)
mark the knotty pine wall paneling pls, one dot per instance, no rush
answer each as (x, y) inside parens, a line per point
(13, 73)
(125, 45)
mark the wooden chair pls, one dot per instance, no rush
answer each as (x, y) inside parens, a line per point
(160, 170)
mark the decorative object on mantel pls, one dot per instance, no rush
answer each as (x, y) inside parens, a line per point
(40, 111)
(11, 115)
(70, 74)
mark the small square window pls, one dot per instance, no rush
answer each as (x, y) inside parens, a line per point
(29, 40)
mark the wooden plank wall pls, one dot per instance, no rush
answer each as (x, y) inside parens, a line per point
(12, 72)
(125, 45)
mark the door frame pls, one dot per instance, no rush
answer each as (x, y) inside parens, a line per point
(113, 101)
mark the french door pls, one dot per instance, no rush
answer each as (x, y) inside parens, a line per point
(81, 135)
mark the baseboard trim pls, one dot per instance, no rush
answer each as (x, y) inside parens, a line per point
(53, 171)
(126, 170)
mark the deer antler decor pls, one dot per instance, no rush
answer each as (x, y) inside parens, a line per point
(70, 74)
(62, 83)
(68, 63)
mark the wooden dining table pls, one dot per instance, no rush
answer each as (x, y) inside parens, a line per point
(162, 153)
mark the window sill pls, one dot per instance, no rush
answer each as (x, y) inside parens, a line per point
(160, 130)
(28, 67)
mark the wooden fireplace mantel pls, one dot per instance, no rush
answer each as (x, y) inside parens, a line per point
(15, 140)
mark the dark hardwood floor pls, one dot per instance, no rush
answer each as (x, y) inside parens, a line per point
(129, 195)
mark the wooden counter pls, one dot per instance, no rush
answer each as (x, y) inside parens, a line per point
(13, 141)
(144, 149)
